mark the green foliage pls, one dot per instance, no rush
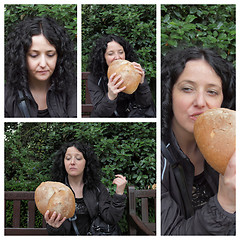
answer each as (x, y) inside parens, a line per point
(210, 26)
(65, 14)
(126, 148)
(136, 23)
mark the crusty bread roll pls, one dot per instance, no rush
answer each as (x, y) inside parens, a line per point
(55, 196)
(128, 73)
(215, 134)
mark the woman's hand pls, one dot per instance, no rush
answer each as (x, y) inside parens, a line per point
(113, 86)
(227, 187)
(54, 220)
(121, 182)
(139, 69)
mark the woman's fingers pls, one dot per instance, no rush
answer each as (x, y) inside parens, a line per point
(231, 167)
(139, 69)
(46, 216)
(55, 220)
(114, 83)
(227, 187)
(121, 182)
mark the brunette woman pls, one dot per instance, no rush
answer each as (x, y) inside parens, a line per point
(196, 200)
(106, 94)
(39, 70)
(77, 166)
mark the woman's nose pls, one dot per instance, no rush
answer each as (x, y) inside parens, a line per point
(200, 100)
(42, 61)
(117, 56)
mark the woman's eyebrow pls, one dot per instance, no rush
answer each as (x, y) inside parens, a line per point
(187, 81)
(35, 50)
(194, 83)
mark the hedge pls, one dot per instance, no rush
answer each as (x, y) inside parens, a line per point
(65, 14)
(208, 26)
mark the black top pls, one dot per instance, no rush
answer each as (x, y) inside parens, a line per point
(43, 113)
(83, 218)
(62, 104)
(201, 191)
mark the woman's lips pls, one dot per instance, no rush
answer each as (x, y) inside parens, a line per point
(72, 168)
(195, 115)
(42, 72)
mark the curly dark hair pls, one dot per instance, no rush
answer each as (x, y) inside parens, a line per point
(97, 63)
(92, 172)
(173, 65)
(19, 41)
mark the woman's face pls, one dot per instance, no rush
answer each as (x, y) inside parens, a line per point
(197, 89)
(74, 162)
(113, 52)
(41, 59)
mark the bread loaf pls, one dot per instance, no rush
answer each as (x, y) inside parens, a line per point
(215, 134)
(55, 196)
(128, 73)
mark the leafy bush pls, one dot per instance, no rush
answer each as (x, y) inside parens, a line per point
(126, 148)
(65, 14)
(210, 26)
(136, 23)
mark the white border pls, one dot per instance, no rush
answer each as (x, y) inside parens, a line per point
(79, 119)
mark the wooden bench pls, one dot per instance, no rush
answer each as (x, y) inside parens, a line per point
(87, 105)
(137, 225)
(141, 225)
(16, 229)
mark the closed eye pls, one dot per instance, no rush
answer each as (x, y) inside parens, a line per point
(51, 54)
(213, 92)
(33, 55)
(187, 89)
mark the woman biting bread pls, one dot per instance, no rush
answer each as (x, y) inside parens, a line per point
(195, 199)
(110, 95)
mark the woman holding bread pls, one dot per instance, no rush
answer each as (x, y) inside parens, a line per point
(77, 166)
(39, 70)
(107, 94)
(195, 199)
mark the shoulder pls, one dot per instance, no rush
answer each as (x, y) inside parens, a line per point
(96, 80)
(91, 78)
(101, 187)
(97, 189)
(10, 95)
(9, 90)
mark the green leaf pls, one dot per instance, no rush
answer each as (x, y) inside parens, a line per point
(190, 18)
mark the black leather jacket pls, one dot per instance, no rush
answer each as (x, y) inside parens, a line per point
(104, 107)
(211, 219)
(59, 104)
(98, 202)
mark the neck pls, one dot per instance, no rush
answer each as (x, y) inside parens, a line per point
(76, 184)
(35, 85)
(75, 181)
(184, 138)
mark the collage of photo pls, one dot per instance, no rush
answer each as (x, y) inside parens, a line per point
(119, 119)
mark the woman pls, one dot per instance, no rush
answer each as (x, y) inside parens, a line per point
(194, 80)
(39, 70)
(77, 166)
(106, 95)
